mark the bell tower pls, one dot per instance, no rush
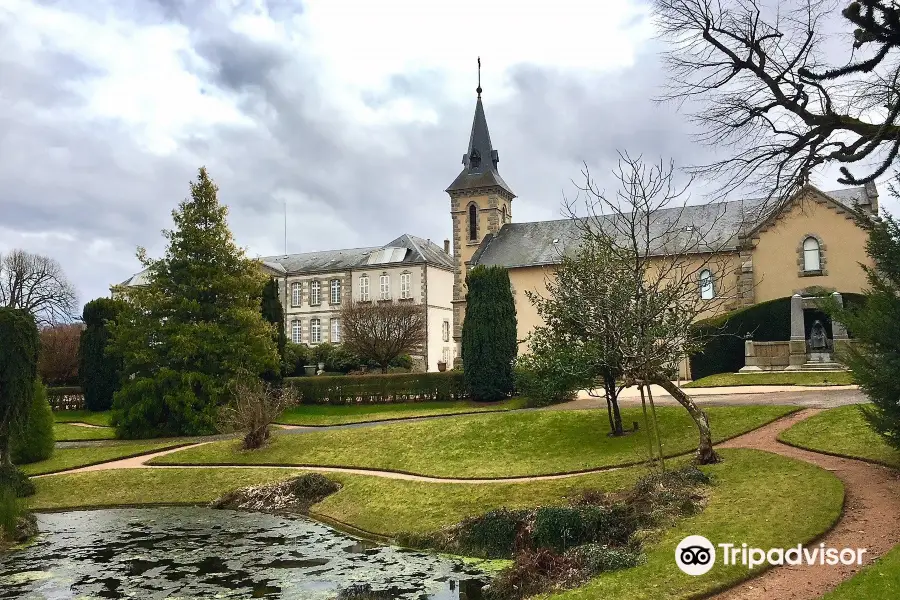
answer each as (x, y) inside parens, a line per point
(480, 204)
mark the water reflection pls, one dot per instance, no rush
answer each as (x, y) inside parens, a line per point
(202, 553)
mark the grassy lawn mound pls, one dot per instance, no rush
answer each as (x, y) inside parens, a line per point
(101, 419)
(64, 459)
(325, 414)
(740, 379)
(67, 432)
(842, 431)
(486, 446)
(797, 502)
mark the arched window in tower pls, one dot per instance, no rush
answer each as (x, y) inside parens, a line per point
(475, 159)
(473, 222)
(503, 212)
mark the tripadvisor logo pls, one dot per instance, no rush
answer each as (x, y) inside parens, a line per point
(696, 555)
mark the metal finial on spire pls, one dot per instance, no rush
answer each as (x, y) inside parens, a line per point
(478, 89)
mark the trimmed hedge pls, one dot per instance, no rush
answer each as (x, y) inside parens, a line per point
(378, 389)
(767, 321)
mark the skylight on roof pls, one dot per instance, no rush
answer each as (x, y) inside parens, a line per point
(387, 255)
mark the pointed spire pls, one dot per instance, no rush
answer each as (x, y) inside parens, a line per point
(481, 160)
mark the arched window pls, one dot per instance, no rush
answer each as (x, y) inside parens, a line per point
(812, 259)
(707, 292)
(503, 222)
(473, 222)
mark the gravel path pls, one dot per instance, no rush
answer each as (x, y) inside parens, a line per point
(871, 518)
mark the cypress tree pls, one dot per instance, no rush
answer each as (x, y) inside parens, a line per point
(273, 312)
(33, 439)
(489, 342)
(99, 370)
(18, 372)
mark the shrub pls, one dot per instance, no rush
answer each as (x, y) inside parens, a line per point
(376, 389)
(13, 478)
(489, 342)
(33, 440)
(493, 534)
(296, 356)
(99, 371)
(597, 558)
(543, 387)
(10, 510)
(254, 406)
(535, 571)
(564, 527)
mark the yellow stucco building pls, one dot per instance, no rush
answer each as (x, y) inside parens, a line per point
(811, 243)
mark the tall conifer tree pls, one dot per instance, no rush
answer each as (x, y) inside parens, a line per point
(194, 329)
(273, 312)
(489, 342)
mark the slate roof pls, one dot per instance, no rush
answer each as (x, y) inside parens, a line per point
(718, 226)
(480, 160)
(418, 251)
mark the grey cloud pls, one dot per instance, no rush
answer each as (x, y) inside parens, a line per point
(362, 185)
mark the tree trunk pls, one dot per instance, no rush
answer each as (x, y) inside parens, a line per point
(705, 453)
(5, 454)
(612, 403)
(384, 368)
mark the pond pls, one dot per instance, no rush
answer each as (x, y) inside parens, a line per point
(191, 552)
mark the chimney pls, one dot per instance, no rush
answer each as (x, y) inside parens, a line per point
(447, 246)
(871, 193)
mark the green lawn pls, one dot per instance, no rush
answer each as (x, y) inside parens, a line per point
(843, 431)
(797, 503)
(878, 580)
(729, 379)
(494, 445)
(71, 458)
(65, 432)
(762, 499)
(83, 416)
(323, 414)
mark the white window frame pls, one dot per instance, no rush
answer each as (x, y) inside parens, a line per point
(335, 331)
(446, 331)
(315, 331)
(315, 289)
(384, 287)
(707, 285)
(363, 288)
(335, 288)
(296, 293)
(405, 285)
(812, 255)
(297, 331)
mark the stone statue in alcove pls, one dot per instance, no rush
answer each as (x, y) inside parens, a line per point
(818, 340)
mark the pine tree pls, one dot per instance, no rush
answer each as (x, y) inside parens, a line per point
(875, 326)
(99, 371)
(489, 342)
(194, 330)
(273, 312)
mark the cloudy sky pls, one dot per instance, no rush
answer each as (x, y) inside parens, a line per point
(355, 113)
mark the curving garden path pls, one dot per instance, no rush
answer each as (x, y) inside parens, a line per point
(870, 519)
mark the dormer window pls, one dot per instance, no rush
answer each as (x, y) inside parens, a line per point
(475, 159)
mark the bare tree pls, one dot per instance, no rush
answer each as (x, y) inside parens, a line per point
(58, 359)
(253, 408)
(668, 265)
(37, 284)
(765, 90)
(383, 330)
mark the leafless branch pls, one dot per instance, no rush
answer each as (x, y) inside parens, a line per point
(37, 284)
